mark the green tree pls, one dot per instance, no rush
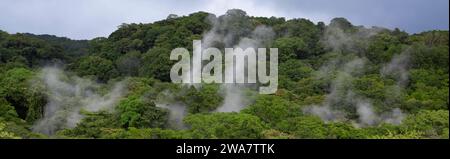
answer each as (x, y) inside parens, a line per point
(156, 63)
(5, 134)
(134, 112)
(434, 123)
(129, 64)
(310, 127)
(7, 111)
(290, 48)
(225, 125)
(102, 68)
(15, 89)
(91, 126)
(203, 100)
(272, 109)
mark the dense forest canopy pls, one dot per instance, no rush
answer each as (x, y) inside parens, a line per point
(336, 81)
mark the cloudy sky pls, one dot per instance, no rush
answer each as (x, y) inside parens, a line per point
(86, 19)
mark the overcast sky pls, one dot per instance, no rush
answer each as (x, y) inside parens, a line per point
(86, 19)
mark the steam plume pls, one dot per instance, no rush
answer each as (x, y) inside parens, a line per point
(67, 96)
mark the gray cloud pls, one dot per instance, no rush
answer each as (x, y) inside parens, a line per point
(86, 19)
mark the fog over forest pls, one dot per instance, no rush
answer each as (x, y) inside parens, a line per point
(336, 80)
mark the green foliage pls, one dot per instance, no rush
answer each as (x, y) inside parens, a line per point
(428, 97)
(290, 48)
(433, 78)
(272, 109)
(341, 23)
(304, 36)
(7, 111)
(147, 133)
(310, 86)
(138, 86)
(203, 100)
(305, 127)
(128, 64)
(275, 134)
(341, 130)
(225, 125)
(70, 48)
(15, 89)
(371, 86)
(382, 47)
(430, 50)
(91, 126)
(291, 72)
(433, 123)
(295, 69)
(134, 112)
(156, 64)
(5, 134)
(310, 61)
(102, 68)
(406, 135)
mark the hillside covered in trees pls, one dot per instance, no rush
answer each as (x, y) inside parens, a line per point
(336, 80)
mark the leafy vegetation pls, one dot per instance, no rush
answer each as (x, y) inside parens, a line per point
(396, 71)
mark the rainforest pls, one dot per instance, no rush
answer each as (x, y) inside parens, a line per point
(336, 80)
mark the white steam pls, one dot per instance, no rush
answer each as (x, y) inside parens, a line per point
(177, 110)
(339, 39)
(398, 68)
(224, 32)
(341, 97)
(67, 96)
